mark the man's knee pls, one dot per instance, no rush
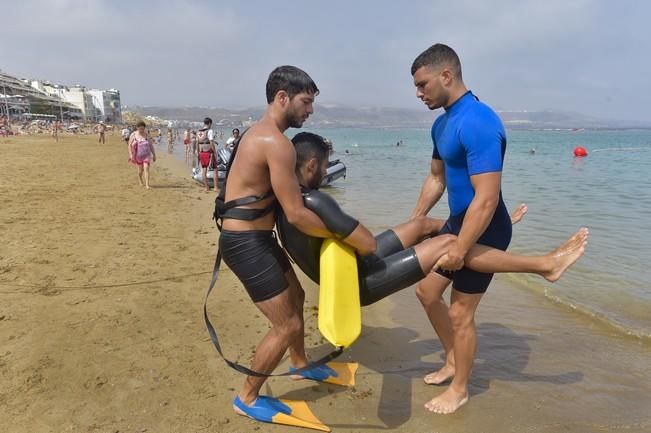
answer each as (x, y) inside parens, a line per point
(428, 297)
(291, 328)
(447, 239)
(460, 316)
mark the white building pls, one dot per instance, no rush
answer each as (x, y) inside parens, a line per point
(94, 104)
(79, 97)
(107, 104)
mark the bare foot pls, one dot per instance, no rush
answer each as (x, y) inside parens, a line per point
(147, 186)
(517, 214)
(448, 402)
(440, 376)
(566, 255)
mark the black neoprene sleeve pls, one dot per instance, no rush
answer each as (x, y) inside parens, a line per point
(336, 220)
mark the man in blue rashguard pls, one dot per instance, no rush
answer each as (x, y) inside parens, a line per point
(469, 145)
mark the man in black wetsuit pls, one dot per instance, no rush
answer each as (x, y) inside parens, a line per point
(404, 254)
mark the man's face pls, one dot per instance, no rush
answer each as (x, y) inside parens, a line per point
(299, 109)
(315, 172)
(430, 88)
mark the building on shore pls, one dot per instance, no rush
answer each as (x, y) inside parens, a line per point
(107, 104)
(17, 98)
(43, 99)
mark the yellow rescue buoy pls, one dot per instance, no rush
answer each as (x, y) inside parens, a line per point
(340, 313)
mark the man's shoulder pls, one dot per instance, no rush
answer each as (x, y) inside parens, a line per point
(266, 136)
(480, 112)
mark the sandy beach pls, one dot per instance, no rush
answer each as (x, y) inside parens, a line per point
(101, 330)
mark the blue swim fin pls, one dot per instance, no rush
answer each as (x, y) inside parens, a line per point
(336, 373)
(287, 412)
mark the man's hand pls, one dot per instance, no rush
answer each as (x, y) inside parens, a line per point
(452, 261)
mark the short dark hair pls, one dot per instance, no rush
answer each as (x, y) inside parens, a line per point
(308, 146)
(290, 79)
(235, 129)
(207, 121)
(141, 123)
(438, 55)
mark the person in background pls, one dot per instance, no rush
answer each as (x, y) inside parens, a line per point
(55, 130)
(126, 133)
(170, 140)
(186, 143)
(233, 138)
(206, 146)
(141, 152)
(101, 129)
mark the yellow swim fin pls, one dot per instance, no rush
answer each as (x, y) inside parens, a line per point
(286, 412)
(336, 373)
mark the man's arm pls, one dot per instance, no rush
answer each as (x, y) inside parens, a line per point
(281, 160)
(348, 229)
(432, 189)
(362, 240)
(478, 216)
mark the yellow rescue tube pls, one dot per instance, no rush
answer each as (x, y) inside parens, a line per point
(340, 313)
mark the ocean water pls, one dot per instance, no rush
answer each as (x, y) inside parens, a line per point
(609, 192)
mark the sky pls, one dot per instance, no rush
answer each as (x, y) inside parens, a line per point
(590, 57)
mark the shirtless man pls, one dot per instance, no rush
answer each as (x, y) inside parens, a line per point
(170, 140)
(55, 130)
(262, 170)
(101, 129)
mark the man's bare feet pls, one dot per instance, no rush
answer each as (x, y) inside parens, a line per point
(448, 402)
(517, 214)
(566, 255)
(438, 377)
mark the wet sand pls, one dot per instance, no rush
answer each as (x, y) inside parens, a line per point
(101, 327)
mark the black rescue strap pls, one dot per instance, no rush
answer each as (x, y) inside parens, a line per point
(215, 274)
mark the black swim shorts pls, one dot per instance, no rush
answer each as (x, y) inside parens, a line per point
(257, 260)
(496, 235)
(391, 269)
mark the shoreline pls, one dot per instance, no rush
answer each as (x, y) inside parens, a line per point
(86, 349)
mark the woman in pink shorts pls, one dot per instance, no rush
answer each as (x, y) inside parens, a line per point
(141, 152)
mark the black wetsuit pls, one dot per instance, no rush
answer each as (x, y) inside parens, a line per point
(390, 269)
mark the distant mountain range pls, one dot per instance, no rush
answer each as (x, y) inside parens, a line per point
(341, 116)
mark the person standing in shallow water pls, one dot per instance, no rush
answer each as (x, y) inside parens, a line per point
(469, 146)
(141, 152)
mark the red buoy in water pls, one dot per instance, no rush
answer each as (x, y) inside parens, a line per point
(579, 151)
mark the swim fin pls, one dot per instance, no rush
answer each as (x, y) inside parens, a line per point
(287, 412)
(336, 373)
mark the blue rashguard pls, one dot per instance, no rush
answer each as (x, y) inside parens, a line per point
(469, 138)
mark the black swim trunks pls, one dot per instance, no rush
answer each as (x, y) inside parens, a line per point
(257, 260)
(496, 235)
